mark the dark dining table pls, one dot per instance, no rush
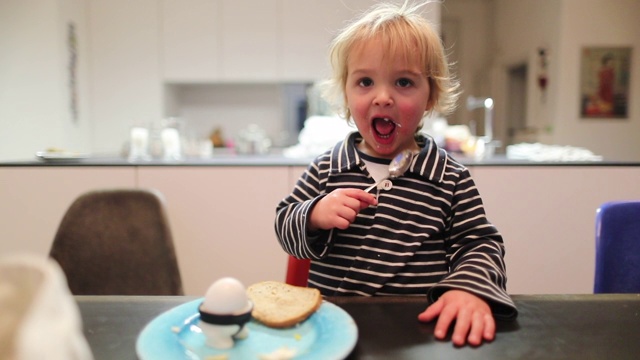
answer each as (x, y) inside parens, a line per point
(583, 326)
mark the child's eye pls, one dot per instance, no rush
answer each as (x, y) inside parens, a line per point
(365, 82)
(404, 82)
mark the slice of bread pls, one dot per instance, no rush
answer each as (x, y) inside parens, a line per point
(279, 305)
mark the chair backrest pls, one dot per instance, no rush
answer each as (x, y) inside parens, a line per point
(297, 271)
(618, 248)
(117, 242)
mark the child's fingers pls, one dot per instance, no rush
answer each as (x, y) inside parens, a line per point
(461, 329)
(366, 199)
(489, 327)
(431, 312)
(446, 317)
(477, 331)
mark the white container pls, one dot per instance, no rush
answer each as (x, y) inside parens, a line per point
(171, 144)
(139, 144)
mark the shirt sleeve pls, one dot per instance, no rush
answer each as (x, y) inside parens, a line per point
(475, 252)
(292, 217)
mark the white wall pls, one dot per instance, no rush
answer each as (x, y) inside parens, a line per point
(597, 23)
(119, 77)
(522, 28)
(35, 77)
(564, 27)
(468, 37)
(512, 31)
(125, 69)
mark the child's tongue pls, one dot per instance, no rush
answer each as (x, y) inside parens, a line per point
(383, 126)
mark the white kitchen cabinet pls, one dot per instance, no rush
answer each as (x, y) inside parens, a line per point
(222, 216)
(222, 221)
(33, 201)
(308, 26)
(546, 215)
(191, 40)
(249, 40)
(220, 41)
(294, 174)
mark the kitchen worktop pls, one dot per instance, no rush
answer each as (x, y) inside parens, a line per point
(226, 204)
(276, 159)
(215, 160)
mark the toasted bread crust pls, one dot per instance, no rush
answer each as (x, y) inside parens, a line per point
(279, 305)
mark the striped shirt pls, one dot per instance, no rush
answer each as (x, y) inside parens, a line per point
(429, 232)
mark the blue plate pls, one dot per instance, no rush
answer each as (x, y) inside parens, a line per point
(330, 333)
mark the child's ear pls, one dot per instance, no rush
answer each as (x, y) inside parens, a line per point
(432, 96)
(431, 103)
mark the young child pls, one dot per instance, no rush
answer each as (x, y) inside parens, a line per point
(423, 233)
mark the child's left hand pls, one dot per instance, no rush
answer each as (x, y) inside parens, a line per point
(474, 320)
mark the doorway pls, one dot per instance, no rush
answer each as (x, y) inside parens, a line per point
(516, 100)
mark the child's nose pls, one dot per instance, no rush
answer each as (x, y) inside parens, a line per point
(383, 97)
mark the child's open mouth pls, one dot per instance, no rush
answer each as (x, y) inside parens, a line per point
(384, 127)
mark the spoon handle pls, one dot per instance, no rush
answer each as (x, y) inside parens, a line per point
(374, 185)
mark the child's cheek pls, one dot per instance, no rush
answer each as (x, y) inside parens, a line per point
(411, 115)
(359, 111)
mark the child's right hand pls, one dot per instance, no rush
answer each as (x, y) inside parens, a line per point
(339, 209)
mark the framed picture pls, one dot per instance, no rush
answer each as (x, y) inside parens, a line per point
(604, 82)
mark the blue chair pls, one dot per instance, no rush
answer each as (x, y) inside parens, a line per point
(618, 247)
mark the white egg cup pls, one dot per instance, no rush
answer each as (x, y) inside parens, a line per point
(221, 331)
(224, 313)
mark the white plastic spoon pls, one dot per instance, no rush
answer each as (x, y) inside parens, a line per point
(397, 167)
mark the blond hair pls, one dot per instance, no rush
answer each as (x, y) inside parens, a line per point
(403, 30)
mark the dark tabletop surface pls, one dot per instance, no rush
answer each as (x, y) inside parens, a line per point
(548, 327)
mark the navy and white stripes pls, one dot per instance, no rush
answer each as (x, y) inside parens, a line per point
(428, 233)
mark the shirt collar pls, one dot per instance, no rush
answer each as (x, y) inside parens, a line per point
(429, 163)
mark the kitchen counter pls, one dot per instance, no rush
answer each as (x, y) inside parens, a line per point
(276, 159)
(216, 160)
(226, 205)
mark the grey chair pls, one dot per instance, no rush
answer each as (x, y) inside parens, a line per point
(118, 242)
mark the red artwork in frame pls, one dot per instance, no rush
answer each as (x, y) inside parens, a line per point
(604, 82)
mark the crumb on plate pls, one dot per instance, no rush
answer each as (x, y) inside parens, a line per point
(217, 357)
(283, 353)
